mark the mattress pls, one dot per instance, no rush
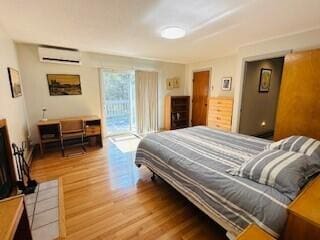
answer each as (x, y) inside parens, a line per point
(194, 161)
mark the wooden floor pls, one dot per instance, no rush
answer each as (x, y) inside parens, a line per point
(107, 197)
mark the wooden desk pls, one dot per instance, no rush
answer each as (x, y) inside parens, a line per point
(14, 220)
(304, 214)
(49, 131)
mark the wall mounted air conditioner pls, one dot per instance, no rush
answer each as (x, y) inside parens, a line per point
(59, 55)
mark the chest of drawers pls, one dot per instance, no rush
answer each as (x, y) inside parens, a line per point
(220, 113)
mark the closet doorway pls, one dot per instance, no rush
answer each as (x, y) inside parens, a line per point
(261, 88)
(119, 102)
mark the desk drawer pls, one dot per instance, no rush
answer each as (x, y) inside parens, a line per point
(219, 121)
(220, 108)
(219, 126)
(93, 130)
(221, 102)
(220, 117)
(220, 113)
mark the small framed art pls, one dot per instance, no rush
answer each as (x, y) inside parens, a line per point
(15, 82)
(173, 83)
(265, 80)
(226, 83)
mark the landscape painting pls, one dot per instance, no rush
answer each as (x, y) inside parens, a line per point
(15, 82)
(64, 84)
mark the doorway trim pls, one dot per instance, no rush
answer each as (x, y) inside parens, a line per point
(238, 91)
(102, 103)
(210, 87)
(245, 96)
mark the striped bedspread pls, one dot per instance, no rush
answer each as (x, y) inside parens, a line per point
(194, 161)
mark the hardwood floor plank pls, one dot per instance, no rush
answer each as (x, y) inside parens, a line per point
(107, 197)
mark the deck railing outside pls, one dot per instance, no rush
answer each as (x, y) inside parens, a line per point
(116, 108)
(118, 116)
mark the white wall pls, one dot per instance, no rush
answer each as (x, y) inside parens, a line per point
(12, 109)
(37, 92)
(233, 66)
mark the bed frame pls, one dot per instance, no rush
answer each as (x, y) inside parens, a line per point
(231, 231)
(311, 204)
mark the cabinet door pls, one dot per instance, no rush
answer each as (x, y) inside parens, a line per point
(299, 102)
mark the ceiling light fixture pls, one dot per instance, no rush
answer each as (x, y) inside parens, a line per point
(173, 33)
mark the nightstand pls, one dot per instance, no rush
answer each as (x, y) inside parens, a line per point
(304, 214)
(254, 232)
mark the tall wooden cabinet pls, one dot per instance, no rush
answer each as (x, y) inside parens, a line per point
(176, 112)
(298, 110)
(220, 113)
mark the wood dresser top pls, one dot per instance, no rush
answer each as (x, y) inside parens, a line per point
(307, 204)
(57, 121)
(253, 232)
(10, 213)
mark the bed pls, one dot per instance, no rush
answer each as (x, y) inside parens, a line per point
(194, 161)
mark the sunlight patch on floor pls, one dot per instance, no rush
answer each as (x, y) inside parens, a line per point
(126, 143)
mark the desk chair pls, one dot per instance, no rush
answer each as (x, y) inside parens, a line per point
(72, 129)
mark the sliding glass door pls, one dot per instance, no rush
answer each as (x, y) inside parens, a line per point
(119, 101)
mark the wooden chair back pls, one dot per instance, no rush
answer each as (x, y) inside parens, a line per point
(71, 126)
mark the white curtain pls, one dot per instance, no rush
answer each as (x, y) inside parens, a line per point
(146, 101)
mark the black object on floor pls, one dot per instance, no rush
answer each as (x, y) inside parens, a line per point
(23, 171)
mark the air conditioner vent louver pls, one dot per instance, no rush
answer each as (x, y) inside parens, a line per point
(58, 55)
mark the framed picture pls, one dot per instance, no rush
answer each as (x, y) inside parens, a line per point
(169, 84)
(265, 80)
(176, 82)
(15, 82)
(226, 83)
(64, 84)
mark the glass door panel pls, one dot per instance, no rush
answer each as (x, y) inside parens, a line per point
(119, 101)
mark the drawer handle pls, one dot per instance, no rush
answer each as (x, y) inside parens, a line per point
(217, 125)
(218, 118)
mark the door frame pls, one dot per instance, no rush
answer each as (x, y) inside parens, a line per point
(102, 100)
(210, 88)
(238, 90)
(244, 84)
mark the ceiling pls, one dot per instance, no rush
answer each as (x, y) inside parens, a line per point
(215, 28)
